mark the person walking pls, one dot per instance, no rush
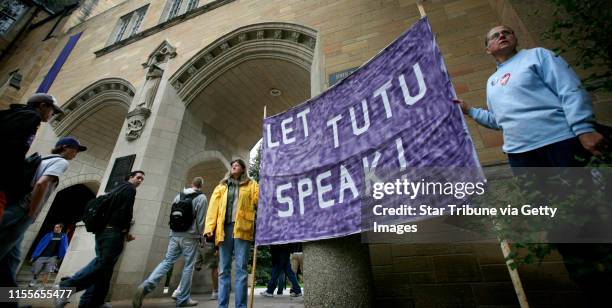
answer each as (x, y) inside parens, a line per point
(281, 265)
(186, 226)
(18, 126)
(95, 277)
(18, 216)
(50, 249)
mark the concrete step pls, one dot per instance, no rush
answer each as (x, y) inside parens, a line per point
(25, 275)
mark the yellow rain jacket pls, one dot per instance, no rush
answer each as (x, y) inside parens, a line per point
(245, 215)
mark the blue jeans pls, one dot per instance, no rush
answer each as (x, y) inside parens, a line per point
(177, 246)
(282, 266)
(14, 224)
(96, 276)
(281, 284)
(12, 228)
(240, 250)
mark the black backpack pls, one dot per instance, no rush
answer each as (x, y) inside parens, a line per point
(97, 211)
(181, 214)
(30, 166)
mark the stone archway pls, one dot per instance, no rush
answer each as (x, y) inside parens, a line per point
(280, 41)
(232, 79)
(105, 104)
(212, 166)
(101, 94)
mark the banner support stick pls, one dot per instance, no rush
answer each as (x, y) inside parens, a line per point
(514, 276)
(419, 4)
(252, 296)
(505, 247)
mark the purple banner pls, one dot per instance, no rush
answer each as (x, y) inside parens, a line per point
(319, 158)
(45, 85)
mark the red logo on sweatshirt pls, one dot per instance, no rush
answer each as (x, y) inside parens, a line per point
(504, 79)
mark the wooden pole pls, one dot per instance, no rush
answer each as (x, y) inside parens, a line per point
(419, 4)
(505, 247)
(253, 275)
(252, 296)
(514, 276)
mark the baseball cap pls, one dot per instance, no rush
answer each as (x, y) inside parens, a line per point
(44, 98)
(70, 142)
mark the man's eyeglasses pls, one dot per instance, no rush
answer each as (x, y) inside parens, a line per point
(496, 35)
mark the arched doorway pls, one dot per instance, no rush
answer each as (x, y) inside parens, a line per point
(226, 85)
(211, 170)
(66, 209)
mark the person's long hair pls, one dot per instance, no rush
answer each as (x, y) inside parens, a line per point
(244, 177)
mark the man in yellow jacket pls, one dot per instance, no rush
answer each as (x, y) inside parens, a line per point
(230, 218)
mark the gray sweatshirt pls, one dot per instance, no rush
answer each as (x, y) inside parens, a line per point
(200, 206)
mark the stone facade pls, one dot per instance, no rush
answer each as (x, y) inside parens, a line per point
(207, 105)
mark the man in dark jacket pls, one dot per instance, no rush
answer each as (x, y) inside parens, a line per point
(96, 276)
(51, 248)
(18, 125)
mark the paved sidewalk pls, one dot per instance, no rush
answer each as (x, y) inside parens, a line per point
(278, 301)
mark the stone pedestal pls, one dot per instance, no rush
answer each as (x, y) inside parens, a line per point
(337, 273)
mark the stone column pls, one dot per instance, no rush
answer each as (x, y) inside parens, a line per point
(160, 116)
(337, 273)
(150, 131)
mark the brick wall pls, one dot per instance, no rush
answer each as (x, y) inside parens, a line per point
(464, 275)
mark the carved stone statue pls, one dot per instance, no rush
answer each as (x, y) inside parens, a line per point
(137, 118)
(153, 77)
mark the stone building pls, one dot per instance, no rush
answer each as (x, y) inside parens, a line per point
(177, 88)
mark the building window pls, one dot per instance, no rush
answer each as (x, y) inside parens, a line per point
(10, 12)
(192, 5)
(128, 25)
(178, 7)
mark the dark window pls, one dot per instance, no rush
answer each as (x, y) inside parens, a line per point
(10, 12)
(192, 5)
(174, 9)
(128, 25)
(178, 7)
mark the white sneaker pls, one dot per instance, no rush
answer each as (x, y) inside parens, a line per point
(266, 294)
(174, 294)
(32, 283)
(214, 295)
